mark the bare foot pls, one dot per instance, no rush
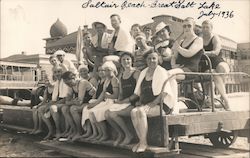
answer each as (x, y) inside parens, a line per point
(103, 138)
(135, 147)
(38, 131)
(87, 134)
(127, 140)
(141, 148)
(118, 140)
(48, 136)
(76, 137)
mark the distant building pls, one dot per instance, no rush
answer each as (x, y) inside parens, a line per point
(60, 40)
(243, 49)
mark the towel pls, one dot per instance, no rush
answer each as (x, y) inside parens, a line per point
(159, 77)
(55, 92)
(124, 41)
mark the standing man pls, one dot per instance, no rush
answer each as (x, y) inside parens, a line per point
(100, 42)
(121, 40)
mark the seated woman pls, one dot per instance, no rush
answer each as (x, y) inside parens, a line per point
(188, 50)
(124, 105)
(83, 91)
(149, 89)
(212, 46)
(90, 128)
(37, 117)
(105, 100)
(84, 74)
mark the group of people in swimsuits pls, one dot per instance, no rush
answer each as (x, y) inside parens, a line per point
(126, 81)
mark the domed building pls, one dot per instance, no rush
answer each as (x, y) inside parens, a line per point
(58, 29)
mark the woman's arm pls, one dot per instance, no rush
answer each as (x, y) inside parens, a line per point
(115, 85)
(120, 87)
(193, 49)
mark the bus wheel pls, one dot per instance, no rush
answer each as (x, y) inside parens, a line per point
(223, 139)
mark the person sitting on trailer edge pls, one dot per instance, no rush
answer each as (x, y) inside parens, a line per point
(149, 89)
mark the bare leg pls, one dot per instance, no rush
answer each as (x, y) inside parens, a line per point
(143, 126)
(48, 124)
(56, 117)
(35, 120)
(110, 117)
(74, 111)
(103, 128)
(220, 83)
(98, 133)
(69, 121)
(136, 125)
(40, 111)
(120, 122)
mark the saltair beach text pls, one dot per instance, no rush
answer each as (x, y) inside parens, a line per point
(209, 9)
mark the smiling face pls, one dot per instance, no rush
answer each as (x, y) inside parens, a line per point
(115, 22)
(207, 28)
(60, 58)
(101, 72)
(126, 61)
(152, 60)
(53, 61)
(84, 72)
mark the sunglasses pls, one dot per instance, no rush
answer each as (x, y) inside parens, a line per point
(187, 26)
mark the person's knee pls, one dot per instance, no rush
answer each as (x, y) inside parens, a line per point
(73, 109)
(222, 67)
(53, 109)
(65, 110)
(107, 114)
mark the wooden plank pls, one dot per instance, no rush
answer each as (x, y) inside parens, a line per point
(84, 150)
(189, 118)
(210, 127)
(239, 155)
(17, 128)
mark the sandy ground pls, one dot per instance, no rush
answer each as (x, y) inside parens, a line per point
(21, 145)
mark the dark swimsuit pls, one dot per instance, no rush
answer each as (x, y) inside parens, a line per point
(190, 63)
(128, 87)
(147, 95)
(215, 60)
(99, 89)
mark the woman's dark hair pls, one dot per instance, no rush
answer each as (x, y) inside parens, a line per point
(126, 53)
(68, 75)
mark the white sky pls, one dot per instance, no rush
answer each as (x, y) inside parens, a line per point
(24, 23)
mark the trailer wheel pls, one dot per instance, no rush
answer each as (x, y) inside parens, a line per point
(223, 139)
